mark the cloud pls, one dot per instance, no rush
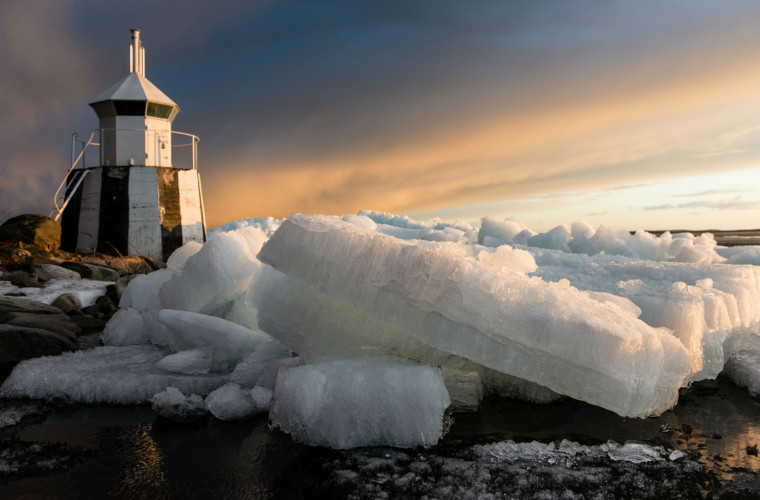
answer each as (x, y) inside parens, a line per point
(737, 203)
(712, 192)
(43, 67)
(337, 106)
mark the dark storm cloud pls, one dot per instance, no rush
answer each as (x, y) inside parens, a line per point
(392, 105)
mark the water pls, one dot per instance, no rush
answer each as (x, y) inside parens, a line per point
(128, 452)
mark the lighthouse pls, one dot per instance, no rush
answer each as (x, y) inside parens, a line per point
(124, 194)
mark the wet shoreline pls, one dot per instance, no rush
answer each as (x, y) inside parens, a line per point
(130, 452)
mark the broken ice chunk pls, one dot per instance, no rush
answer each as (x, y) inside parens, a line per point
(126, 327)
(142, 292)
(743, 367)
(192, 362)
(103, 375)
(345, 403)
(232, 402)
(174, 405)
(218, 272)
(178, 258)
(229, 341)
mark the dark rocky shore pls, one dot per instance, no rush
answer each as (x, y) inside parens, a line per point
(30, 256)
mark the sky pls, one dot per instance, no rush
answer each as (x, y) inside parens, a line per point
(628, 114)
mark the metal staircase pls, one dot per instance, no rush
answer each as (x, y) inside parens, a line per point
(74, 177)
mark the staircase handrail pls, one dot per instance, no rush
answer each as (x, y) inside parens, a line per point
(59, 210)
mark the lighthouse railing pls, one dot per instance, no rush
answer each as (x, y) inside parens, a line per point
(183, 147)
(189, 141)
(79, 167)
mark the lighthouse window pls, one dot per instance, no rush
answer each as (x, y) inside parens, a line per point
(159, 110)
(129, 108)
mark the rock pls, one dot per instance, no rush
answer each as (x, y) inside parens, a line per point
(14, 259)
(8, 305)
(18, 343)
(47, 272)
(68, 303)
(56, 323)
(88, 324)
(32, 229)
(130, 264)
(89, 341)
(92, 271)
(125, 264)
(21, 279)
(103, 308)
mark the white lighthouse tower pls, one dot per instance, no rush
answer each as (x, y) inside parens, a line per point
(133, 200)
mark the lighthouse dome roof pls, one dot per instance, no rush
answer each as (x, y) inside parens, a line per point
(134, 87)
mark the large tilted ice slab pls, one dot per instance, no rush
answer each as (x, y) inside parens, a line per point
(315, 324)
(360, 402)
(104, 375)
(548, 333)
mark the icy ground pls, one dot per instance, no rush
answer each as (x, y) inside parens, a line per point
(331, 323)
(507, 469)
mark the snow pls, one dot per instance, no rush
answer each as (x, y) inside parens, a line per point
(345, 403)
(86, 291)
(367, 329)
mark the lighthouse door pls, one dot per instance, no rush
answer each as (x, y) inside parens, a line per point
(158, 143)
